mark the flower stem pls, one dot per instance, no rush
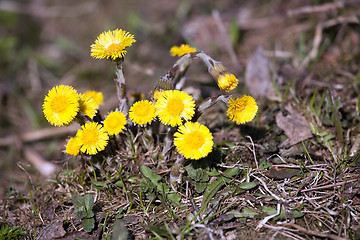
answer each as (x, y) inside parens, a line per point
(121, 88)
(175, 174)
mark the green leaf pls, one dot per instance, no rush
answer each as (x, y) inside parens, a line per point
(162, 188)
(272, 211)
(88, 224)
(174, 197)
(247, 185)
(200, 186)
(232, 171)
(99, 185)
(245, 213)
(149, 174)
(77, 200)
(89, 202)
(119, 184)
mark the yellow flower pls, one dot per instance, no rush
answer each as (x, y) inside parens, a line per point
(157, 94)
(227, 82)
(242, 110)
(142, 112)
(193, 140)
(115, 122)
(92, 138)
(72, 147)
(97, 96)
(182, 50)
(112, 44)
(173, 106)
(61, 105)
(88, 106)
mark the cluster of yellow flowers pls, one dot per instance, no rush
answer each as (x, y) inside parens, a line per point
(174, 108)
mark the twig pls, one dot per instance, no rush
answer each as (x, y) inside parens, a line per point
(321, 8)
(253, 150)
(313, 233)
(266, 219)
(37, 135)
(266, 188)
(318, 35)
(330, 185)
(225, 35)
(44, 167)
(316, 44)
(312, 167)
(45, 11)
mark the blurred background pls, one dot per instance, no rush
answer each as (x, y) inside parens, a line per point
(46, 43)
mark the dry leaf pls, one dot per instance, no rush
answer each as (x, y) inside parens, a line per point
(53, 231)
(257, 75)
(282, 173)
(294, 125)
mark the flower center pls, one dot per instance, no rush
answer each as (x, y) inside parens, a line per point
(59, 104)
(175, 107)
(114, 47)
(194, 140)
(114, 122)
(90, 136)
(142, 111)
(240, 106)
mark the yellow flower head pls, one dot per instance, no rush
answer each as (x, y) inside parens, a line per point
(242, 110)
(61, 105)
(88, 106)
(97, 96)
(112, 44)
(157, 94)
(115, 122)
(227, 82)
(193, 140)
(92, 138)
(173, 106)
(182, 50)
(142, 112)
(72, 147)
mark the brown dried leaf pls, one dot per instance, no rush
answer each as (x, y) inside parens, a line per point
(294, 125)
(282, 173)
(257, 75)
(54, 230)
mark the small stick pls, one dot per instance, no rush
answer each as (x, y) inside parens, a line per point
(311, 232)
(321, 8)
(329, 186)
(223, 33)
(37, 135)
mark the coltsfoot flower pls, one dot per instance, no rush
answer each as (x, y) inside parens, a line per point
(88, 106)
(61, 105)
(72, 147)
(112, 44)
(193, 140)
(227, 81)
(242, 110)
(142, 112)
(97, 96)
(181, 50)
(173, 106)
(115, 123)
(92, 138)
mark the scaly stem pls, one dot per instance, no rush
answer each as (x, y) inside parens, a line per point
(175, 174)
(121, 88)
